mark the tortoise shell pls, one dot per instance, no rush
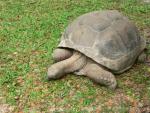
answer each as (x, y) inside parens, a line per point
(107, 37)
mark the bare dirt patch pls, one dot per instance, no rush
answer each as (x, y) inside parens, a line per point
(5, 108)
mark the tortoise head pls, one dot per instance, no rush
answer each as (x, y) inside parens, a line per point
(54, 72)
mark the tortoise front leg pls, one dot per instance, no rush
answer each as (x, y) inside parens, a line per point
(60, 54)
(100, 75)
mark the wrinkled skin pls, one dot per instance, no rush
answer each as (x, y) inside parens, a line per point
(69, 61)
(79, 62)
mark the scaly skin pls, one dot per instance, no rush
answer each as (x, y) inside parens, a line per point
(60, 54)
(79, 62)
(99, 75)
(142, 57)
(59, 69)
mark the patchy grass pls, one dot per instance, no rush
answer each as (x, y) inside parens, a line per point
(31, 29)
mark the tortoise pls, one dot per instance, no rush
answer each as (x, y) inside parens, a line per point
(98, 45)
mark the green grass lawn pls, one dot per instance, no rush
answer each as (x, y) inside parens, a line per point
(30, 30)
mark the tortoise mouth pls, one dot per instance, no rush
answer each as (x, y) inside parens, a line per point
(54, 73)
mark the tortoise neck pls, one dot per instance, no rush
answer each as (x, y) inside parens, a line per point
(76, 62)
(72, 64)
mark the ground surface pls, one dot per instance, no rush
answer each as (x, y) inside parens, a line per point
(31, 29)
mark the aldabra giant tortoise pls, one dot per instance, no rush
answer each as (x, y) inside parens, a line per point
(98, 44)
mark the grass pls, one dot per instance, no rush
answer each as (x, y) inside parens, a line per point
(31, 29)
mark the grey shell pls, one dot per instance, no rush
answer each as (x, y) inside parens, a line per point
(107, 37)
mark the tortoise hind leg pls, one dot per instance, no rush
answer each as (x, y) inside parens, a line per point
(60, 54)
(142, 57)
(144, 54)
(100, 75)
